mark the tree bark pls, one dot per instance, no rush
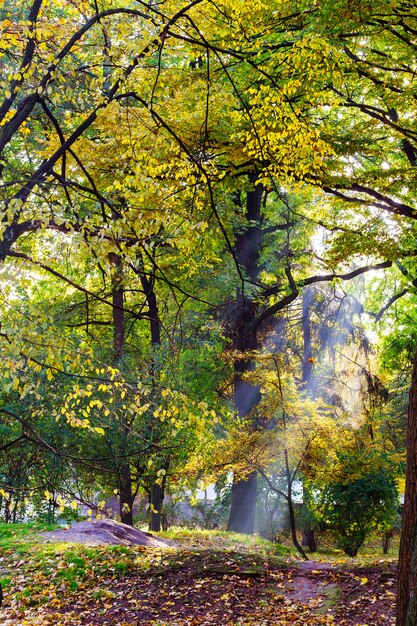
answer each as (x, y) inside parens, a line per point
(156, 499)
(125, 473)
(157, 491)
(118, 310)
(126, 495)
(308, 361)
(407, 562)
(309, 537)
(243, 507)
(246, 396)
(388, 535)
(291, 512)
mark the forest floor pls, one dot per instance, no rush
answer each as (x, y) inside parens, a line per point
(213, 579)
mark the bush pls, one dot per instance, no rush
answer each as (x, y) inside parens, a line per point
(352, 510)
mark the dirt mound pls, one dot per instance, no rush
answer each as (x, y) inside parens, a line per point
(103, 532)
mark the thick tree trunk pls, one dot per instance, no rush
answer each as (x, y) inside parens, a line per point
(407, 563)
(243, 508)
(309, 538)
(125, 473)
(244, 491)
(246, 396)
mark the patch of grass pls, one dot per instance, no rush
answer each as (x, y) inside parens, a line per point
(331, 599)
(218, 540)
(369, 553)
(121, 568)
(74, 560)
(15, 533)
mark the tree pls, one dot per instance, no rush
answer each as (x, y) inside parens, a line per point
(406, 602)
(353, 508)
(72, 74)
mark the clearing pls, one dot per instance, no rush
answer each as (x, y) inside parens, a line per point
(206, 578)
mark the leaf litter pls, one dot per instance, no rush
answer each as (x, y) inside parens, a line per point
(132, 586)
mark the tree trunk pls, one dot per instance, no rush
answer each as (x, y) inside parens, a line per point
(291, 512)
(126, 495)
(125, 473)
(246, 396)
(388, 535)
(243, 508)
(407, 562)
(156, 496)
(117, 309)
(15, 510)
(156, 499)
(309, 537)
(308, 361)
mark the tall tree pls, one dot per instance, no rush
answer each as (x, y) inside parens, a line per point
(245, 340)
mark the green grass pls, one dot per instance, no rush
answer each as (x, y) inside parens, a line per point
(26, 556)
(369, 553)
(220, 540)
(12, 534)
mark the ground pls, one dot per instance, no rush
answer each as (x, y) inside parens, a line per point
(205, 579)
(102, 532)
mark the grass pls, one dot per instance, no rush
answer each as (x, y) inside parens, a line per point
(26, 559)
(369, 553)
(71, 561)
(23, 553)
(37, 574)
(17, 534)
(220, 540)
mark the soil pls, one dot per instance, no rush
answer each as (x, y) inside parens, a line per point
(214, 589)
(354, 597)
(158, 586)
(103, 532)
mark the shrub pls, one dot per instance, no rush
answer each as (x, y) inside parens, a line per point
(352, 510)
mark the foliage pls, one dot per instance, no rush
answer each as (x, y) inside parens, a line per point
(365, 500)
(137, 290)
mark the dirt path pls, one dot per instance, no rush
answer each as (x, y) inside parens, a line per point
(353, 596)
